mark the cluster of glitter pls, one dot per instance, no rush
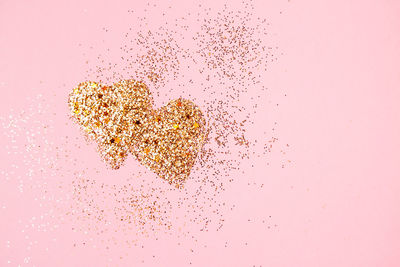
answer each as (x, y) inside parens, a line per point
(225, 57)
(73, 196)
(121, 119)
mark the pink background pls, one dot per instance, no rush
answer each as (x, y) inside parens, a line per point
(335, 204)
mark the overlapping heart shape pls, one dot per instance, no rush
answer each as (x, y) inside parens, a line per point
(122, 120)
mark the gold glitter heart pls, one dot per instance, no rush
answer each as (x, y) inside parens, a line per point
(121, 119)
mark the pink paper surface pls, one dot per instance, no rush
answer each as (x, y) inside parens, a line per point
(327, 193)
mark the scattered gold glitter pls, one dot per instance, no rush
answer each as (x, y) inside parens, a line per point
(121, 119)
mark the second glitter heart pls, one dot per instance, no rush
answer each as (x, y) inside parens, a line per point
(122, 120)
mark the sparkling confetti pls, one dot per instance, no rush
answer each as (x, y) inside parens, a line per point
(220, 71)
